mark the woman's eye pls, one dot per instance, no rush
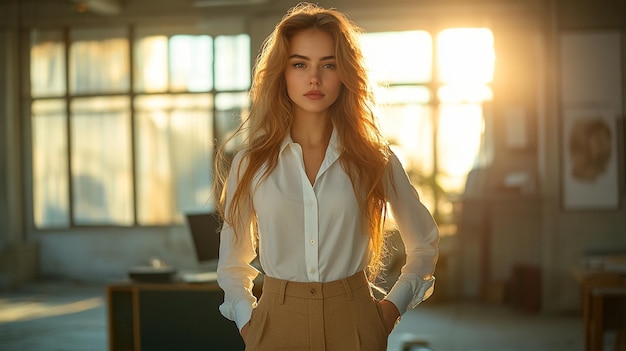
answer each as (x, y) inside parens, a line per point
(298, 65)
(330, 66)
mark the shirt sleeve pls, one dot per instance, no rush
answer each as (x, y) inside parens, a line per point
(420, 236)
(235, 274)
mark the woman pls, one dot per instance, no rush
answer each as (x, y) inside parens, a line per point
(309, 189)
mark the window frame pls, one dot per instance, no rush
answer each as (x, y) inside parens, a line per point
(430, 182)
(232, 29)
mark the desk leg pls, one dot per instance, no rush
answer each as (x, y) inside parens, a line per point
(621, 340)
(597, 323)
(123, 319)
(586, 302)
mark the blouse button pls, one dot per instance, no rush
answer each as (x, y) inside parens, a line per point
(312, 242)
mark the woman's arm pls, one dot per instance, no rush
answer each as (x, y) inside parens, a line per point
(420, 236)
(235, 275)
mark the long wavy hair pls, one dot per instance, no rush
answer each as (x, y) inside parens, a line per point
(364, 154)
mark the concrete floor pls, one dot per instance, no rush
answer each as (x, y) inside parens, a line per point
(64, 316)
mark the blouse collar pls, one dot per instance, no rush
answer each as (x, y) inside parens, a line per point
(333, 149)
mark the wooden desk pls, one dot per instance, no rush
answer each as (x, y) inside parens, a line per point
(607, 276)
(608, 306)
(168, 316)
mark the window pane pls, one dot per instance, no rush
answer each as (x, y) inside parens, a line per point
(50, 177)
(101, 161)
(230, 107)
(151, 64)
(406, 122)
(459, 139)
(174, 156)
(403, 94)
(465, 93)
(232, 62)
(398, 57)
(99, 61)
(47, 63)
(466, 55)
(191, 61)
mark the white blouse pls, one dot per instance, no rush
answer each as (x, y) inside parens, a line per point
(316, 233)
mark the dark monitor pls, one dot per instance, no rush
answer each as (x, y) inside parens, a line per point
(204, 228)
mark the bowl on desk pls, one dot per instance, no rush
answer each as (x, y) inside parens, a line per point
(149, 274)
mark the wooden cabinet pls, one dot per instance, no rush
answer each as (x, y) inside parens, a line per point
(169, 316)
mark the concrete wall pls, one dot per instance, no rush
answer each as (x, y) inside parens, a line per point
(18, 256)
(525, 225)
(569, 236)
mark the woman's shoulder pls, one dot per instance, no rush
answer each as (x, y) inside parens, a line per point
(239, 154)
(394, 163)
(238, 159)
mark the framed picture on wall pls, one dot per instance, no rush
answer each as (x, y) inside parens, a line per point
(592, 113)
(590, 165)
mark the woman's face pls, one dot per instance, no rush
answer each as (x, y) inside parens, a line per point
(311, 76)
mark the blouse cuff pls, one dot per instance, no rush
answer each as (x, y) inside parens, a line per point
(406, 294)
(240, 313)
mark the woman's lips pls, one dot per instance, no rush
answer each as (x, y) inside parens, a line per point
(314, 94)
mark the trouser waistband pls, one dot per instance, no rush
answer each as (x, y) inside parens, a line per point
(315, 290)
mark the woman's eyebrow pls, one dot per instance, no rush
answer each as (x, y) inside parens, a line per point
(296, 56)
(302, 57)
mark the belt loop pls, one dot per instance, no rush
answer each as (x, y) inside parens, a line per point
(346, 286)
(281, 296)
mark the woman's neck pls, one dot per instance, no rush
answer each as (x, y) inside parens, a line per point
(313, 134)
(312, 131)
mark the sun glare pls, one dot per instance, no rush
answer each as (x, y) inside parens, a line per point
(398, 57)
(401, 66)
(466, 55)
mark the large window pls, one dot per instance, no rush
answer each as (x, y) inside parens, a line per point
(432, 90)
(124, 122)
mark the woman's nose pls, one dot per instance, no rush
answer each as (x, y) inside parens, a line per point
(315, 78)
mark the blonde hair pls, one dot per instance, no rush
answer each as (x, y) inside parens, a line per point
(364, 154)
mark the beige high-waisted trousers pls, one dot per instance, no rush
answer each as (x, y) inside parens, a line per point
(341, 315)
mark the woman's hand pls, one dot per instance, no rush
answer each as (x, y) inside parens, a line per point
(390, 314)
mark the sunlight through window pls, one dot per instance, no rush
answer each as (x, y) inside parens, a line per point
(190, 58)
(120, 146)
(434, 122)
(398, 57)
(465, 55)
(151, 74)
